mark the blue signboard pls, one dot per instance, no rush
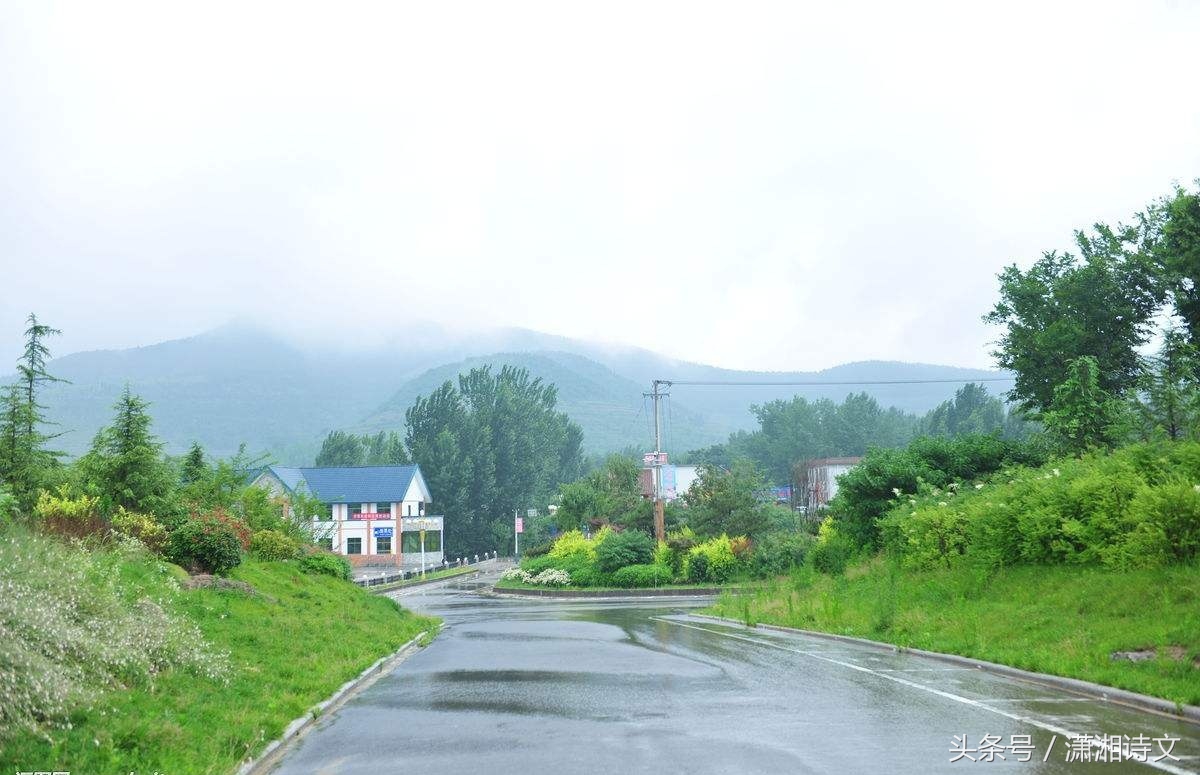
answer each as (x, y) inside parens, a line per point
(383, 532)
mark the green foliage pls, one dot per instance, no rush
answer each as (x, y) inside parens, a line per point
(1168, 403)
(143, 527)
(643, 575)
(1081, 415)
(24, 459)
(832, 550)
(1136, 507)
(385, 448)
(777, 553)
(800, 428)
(712, 560)
(62, 504)
(1100, 304)
(867, 491)
(194, 466)
(491, 445)
(629, 547)
(721, 502)
(8, 506)
(207, 542)
(611, 494)
(1178, 253)
(273, 545)
(327, 564)
(125, 466)
(972, 411)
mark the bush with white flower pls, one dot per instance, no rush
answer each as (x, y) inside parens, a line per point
(552, 577)
(516, 574)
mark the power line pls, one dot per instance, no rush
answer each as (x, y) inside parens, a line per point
(811, 383)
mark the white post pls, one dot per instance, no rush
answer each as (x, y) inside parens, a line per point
(422, 554)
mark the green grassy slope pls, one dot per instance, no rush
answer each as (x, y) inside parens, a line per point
(1064, 620)
(288, 646)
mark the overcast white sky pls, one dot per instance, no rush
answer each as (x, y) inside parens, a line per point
(745, 184)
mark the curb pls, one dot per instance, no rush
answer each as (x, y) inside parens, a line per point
(383, 589)
(1190, 713)
(616, 594)
(274, 750)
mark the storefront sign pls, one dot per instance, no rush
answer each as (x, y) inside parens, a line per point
(383, 532)
(372, 515)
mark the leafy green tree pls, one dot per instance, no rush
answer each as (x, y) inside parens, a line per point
(488, 446)
(1082, 414)
(385, 449)
(1169, 401)
(340, 449)
(1178, 253)
(125, 467)
(972, 410)
(1099, 304)
(610, 495)
(726, 501)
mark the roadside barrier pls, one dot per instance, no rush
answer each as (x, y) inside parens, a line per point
(391, 577)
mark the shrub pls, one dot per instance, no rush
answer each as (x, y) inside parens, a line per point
(552, 577)
(631, 547)
(274, 545)
(327, 564)
(778, 553)
(719, 565)
(573, 543)
(833, 549)
(517, 574)
(645, 575)
(535, 565)
(143, 527)
(75, 517)
(537, 550)
(205, 543)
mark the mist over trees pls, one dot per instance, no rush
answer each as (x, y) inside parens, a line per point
(800, 429)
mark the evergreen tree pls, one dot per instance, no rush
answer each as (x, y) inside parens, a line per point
(125, 466)
(341, 449)
(1170, 398)
(24, 460)
(194, 467)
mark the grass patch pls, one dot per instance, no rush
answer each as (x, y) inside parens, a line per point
(289, 645)
(1063, 620)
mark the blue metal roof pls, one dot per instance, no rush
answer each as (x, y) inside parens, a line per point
(352, 484)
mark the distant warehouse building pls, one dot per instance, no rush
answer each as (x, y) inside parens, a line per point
(376, 514)
(817, 480)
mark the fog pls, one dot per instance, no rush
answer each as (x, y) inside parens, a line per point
(782, 186)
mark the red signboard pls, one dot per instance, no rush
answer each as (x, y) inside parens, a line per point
(520, 524)
(372, 515)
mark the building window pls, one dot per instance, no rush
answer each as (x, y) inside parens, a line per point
(353, 546)
(412, 541)
(326, 544)
(353, 510)
(408, 509)
(383, 546)
(383, 508)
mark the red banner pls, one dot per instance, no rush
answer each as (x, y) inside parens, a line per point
(372, 515)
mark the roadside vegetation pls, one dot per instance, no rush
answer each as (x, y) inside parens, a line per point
(1074, 549)
(158, 614)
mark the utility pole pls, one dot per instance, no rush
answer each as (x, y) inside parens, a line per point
(660, 526)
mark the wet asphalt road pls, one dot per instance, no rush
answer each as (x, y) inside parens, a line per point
(514, 686)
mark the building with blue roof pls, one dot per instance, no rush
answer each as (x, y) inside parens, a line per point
(377, 515)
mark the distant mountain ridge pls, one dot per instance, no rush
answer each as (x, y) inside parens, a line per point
(241, 384)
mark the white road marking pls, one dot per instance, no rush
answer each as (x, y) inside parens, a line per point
(1163, 766)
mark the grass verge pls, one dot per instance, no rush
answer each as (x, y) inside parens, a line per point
(289, 644)
(1062, 620)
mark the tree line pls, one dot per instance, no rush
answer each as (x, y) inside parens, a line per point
(490, 444)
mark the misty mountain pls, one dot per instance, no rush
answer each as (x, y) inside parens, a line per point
(239, 384)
